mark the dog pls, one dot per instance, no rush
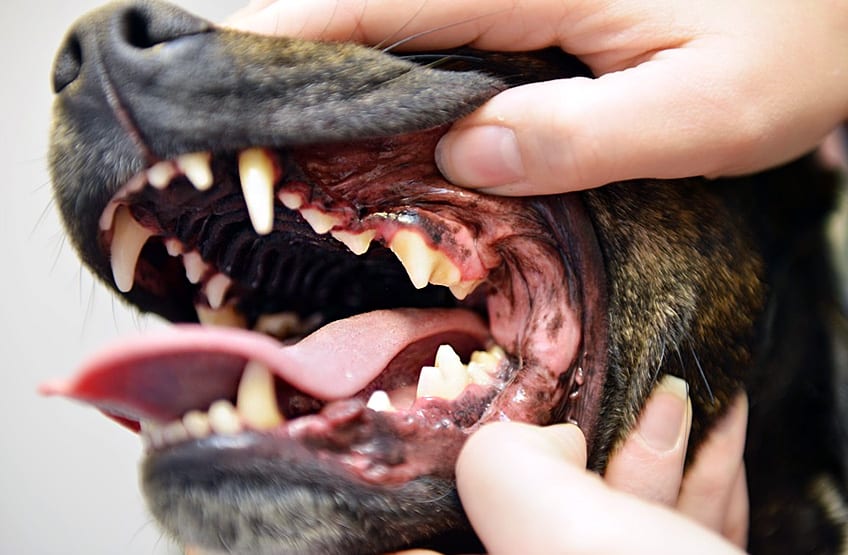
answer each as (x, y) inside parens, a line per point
(360, 316)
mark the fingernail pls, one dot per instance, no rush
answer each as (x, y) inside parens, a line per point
(481, 156)
(664, 422)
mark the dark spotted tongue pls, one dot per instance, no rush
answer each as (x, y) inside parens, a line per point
(162, 375)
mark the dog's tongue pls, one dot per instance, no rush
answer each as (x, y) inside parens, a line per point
(164, 374)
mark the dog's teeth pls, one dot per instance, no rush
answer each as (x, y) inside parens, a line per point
(216, 289)
(197, 424)
(227, 316)
(256, 170)
(173, 246)
(223, 418)
(196, 167)
(127, 241)
(320, 222)
(151, 434)
(483, 365)
(380, 402)
(463, 288)
(292, 201)
(446, 379)
(257, 401)
(358, 243)
(174, 432)
(415, 255)
(280, 325)
(195, 266)
(161, 174)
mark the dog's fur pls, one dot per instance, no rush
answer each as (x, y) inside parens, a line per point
(728, 284)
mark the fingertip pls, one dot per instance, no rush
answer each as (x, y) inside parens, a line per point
(484, 156)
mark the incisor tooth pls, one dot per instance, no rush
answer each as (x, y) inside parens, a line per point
(173, 246)
(358, 243)
(380, 402)
(227, 316)
(127, 241)
(415, 255)
(161, 174)
(174, 432)
(256, 170)
(223, 418)
(216, 289)
(196, 167)
(321, 222)
(195, 266)
(257, 401)
(292, 201)
(197, 424)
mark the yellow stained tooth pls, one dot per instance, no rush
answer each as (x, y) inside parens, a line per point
(223, 418)
(196, 167)
(358, 243)
(320, 221)
(478, 373)
(127, 241)
(257, 401)
(415, 255)
(444, 271)
(446, 357)
(197, 424)
(256, 170)
(227, 316)
(463, 288)
(161, 174)
(283, 324)
(380, 402)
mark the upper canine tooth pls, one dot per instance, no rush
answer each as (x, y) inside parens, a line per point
(415, 255)
(127, 241)
(321, 222)
(160, 174)
(358, 243)
(257, 401)
(197, 168)
(256, 170)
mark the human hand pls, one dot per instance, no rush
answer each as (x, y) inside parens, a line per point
(526, 491)
(683, 88)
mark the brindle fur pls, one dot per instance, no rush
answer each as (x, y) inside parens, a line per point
(726, 283)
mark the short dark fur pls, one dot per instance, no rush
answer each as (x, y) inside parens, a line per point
(726, 283)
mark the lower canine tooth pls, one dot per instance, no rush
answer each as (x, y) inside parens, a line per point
(257, 401)
(127, 241)
(196, 167)
(256, 170)
(223, 418)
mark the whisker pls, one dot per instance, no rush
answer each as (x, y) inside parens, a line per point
(420, 34)
(703, 375)
(42, 217)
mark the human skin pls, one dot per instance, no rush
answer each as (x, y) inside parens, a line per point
(682, 88)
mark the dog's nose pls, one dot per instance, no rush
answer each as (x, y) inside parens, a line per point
(128, 28)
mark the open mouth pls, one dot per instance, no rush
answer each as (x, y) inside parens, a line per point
(338, 286)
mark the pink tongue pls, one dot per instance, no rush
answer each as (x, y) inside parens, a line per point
(162, 375)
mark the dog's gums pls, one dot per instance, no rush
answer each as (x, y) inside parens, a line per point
(345, 317)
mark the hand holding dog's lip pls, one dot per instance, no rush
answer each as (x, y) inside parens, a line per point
(677, 98)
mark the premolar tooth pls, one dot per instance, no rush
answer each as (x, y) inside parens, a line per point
(197, 424)
(127, 241)
(223, 418)
(227, 316)
(358, 243)
(195, 266)
(161, 174)
(256, 170)
(463, 288)
(415, 255)
(321, 222)
(196, 167)
(292, 201)
(380, 402)
(151, 434)
(216, 289)
(257, 401)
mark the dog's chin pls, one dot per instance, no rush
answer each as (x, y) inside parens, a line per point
(354, 330)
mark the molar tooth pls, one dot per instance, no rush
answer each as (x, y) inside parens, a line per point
(380, 402)
(223, 418)
(197, 424)
(216, 289)
(415, 255)
(227, 316)
(256, 170)
(196, 167)
(195, 266)
(321, 222)
(127, 241)
(257, 400)
(160, 174)
(292, 201)
(358, 243)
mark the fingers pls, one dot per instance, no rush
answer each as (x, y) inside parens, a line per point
(713, 491)
(650, 462)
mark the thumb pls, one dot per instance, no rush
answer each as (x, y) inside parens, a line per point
(655, 120)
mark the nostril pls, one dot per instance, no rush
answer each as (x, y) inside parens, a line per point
(68, 63)
(137, 30)
(145, 26)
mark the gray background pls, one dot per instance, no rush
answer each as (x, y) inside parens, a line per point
(68, 476)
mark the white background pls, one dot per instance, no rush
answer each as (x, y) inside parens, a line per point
(68, 476)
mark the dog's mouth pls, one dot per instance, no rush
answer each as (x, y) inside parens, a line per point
(350, 300)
